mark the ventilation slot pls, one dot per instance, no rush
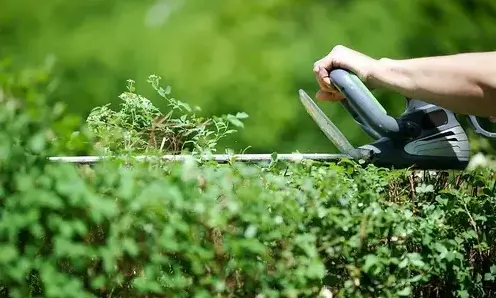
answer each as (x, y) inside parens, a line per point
(439, 136)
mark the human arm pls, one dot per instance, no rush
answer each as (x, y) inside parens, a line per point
(464, 83)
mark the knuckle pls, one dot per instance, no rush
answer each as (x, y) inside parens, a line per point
(337, 49)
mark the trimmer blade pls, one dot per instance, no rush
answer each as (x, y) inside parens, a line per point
(330, 130)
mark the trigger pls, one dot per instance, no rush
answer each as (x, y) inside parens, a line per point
(412, 129)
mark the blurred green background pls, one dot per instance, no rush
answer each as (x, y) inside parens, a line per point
(233, 55)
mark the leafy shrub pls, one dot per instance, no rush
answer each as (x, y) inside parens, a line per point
(140, 126)
(123, 228)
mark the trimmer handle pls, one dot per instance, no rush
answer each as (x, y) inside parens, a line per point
(363, 106)
(369, 130)
(478, 128)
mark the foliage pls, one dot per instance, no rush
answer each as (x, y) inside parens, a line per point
(141, 126)
(123, 228)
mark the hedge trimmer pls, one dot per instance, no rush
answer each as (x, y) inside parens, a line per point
(424, 136)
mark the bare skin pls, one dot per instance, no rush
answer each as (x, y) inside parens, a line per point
(463, 83)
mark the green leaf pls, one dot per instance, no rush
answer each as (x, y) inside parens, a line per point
(37, 143)
(130, 246)
(493, 269)
(235, 121)
(184, 105)
(370, 261)
(416, 278)
(98, 282)
(403, 263)
(463, 294)
(423, 188)
(441, 249)
(8, 253)
(251, 231)
(241, 115)
(405, 292)
(316, 270)
(273, 156)
(416, 260)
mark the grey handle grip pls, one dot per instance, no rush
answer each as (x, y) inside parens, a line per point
(369, 130)
(360, 101)
(479, 130)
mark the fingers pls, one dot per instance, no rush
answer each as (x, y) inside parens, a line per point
(329, 61)
(327, 91)
(322, 77)
(321, 70)
(341, 57)
(329, 96)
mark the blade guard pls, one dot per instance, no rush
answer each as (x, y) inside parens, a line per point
(363, 106)
(478, 128)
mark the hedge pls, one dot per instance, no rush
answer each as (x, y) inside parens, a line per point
(126, 228)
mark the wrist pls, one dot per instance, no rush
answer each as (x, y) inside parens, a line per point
(392, 74)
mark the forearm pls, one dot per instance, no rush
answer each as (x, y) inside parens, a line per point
(464, 83)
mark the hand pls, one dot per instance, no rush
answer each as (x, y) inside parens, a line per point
(342, 57)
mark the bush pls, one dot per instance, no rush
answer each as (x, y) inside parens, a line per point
(124, 228)
(139, 126)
